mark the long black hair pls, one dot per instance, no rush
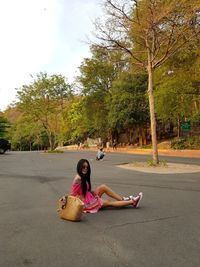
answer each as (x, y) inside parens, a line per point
(85, 178)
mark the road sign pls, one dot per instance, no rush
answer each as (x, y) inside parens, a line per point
(185, 126)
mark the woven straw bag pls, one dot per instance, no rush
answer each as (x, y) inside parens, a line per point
(72, 210)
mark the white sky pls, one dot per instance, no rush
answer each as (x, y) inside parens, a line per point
(42, 35)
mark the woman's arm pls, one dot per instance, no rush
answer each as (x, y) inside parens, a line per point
(76, 187)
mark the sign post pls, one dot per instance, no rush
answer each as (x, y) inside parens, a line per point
(185, 126)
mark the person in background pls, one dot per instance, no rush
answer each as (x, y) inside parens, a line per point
(100, 154)
(114, 144)
(93, 201)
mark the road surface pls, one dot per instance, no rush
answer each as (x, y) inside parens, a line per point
(164, 231)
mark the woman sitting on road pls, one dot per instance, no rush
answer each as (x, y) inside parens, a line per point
(81, 187)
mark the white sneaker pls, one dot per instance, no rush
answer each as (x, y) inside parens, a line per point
(137, 200)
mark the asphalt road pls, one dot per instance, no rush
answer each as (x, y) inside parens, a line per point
(164, 231)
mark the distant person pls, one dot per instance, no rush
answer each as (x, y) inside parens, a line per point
(92, 199)
(78, 145)
(108, 146)
(114, 144)
(100, 154)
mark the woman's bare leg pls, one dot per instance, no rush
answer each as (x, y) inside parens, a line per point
(120, 203)
(104, 189)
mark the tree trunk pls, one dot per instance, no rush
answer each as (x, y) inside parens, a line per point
(178, 128)
(144, 136)
(51, 140)
(152, 115)
(140, 137)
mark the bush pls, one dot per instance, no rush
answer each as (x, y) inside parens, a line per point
(162, 163)
(186, 143)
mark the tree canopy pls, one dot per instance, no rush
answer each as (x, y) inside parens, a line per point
(42, 103)
(144, 69)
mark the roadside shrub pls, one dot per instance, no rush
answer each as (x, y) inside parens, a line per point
(162, 163)
(191, 142)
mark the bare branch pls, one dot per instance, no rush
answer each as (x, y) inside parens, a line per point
(174, 46)
(121, 10)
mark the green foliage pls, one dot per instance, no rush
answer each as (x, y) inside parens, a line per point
(186, 143)
(4, 125)
(97, 76)
(149, 32)
(151, 163)
(76, 124)
(129, 103)
(177, 84)
(25, 134)
(196, 117)
(111, 98)
(162, 163)
(43, 101)
(99, 71)
(56, 151)
(174, 97)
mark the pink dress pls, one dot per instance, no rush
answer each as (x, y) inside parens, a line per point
(91, 200)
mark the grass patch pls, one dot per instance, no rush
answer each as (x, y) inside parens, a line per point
(162, 163)
(55, 151)
(149, 163)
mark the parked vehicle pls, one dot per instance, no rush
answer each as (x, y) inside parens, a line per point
(4, 145)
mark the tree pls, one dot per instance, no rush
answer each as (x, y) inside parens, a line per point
(4, 125)
(76, 127)
(129, 104)
(97, 76)
(177, 84)
(150, 32)
(26, 135)
(43, 101)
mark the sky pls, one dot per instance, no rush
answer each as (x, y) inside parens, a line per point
(42, 35)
